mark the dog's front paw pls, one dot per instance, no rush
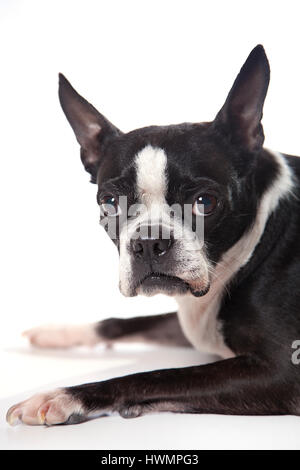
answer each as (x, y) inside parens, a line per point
(55, 407)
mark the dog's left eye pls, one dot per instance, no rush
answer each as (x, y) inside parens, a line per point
(205, 204)
(109, 206)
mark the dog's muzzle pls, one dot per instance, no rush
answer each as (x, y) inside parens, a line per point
(156, 265)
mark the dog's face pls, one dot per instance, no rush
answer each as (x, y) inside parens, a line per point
(175, 198)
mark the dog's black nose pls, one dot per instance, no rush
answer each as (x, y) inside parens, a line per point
(147, 248)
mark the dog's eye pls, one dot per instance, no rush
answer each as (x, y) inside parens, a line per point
(205, 204)
(109, 206)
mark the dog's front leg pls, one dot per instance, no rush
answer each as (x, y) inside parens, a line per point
(241, 385)
(157, 329)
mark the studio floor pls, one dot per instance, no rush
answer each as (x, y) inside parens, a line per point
(26, 370)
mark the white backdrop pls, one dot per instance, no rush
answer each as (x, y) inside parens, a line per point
(140, 63)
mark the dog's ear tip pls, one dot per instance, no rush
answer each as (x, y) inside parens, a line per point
(62, 79)
(259, 48)
(257, 63)
(64, 88)
(259, 54)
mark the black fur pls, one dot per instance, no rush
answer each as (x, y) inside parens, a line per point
(161, 329)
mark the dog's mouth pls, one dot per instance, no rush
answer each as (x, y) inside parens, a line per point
(156, 282)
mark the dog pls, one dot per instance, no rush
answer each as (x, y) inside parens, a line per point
(238, 289)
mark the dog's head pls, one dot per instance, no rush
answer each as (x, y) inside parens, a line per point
(175, 198)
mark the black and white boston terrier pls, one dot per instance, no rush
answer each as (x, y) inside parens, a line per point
(238, 289)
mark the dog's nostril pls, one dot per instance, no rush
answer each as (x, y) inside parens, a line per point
(150, 248)
(160, 247)
(137, 247)
(150, 243)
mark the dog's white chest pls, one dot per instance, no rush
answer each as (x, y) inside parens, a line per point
(199, 322)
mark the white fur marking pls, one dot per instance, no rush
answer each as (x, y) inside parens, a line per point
(151, 165)
(190, 262)
(49, 408)
(63, 336)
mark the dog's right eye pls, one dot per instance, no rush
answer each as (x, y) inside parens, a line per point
(205, 204)
(109, 206)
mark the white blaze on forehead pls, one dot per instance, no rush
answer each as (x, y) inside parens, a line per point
(151, 166)
(151, 188)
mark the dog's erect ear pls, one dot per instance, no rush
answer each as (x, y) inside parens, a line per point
(90, 127)
(240, 116)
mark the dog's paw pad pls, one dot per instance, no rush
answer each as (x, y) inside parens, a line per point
(56, 407)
